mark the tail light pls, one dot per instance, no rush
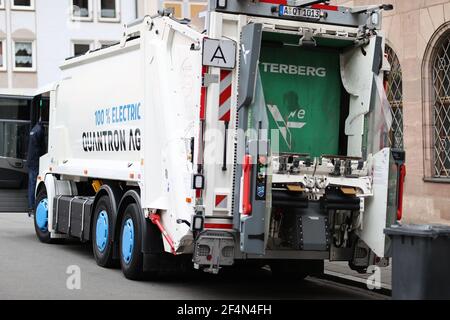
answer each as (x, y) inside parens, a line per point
(247, 185)
(401, 184)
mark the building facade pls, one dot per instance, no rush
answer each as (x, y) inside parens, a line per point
(36, 36)
(191, 9)
(18, 44)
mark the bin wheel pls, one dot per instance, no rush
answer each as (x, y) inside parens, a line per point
(360, 270)
(41, 218)
(130, 246)
(102, 233)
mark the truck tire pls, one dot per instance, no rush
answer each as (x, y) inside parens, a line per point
(41, 217)
(130, 246)
(102, 233)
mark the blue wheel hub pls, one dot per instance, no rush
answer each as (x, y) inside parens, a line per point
(102, 231)
(128, 241)
(42, 215)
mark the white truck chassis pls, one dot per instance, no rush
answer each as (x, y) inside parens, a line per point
(152, 156)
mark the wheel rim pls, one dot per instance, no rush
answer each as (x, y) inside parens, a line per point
(128, 241)
(42, 215)
(101, 233)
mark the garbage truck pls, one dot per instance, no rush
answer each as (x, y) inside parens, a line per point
(262, 141)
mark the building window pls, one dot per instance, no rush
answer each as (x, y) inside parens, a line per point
(24, 58)
(14, 127)
(2, 4)
(80, 49)
(197, 9)
(440, 108)
(395, 96)
(22, 4)
(109, 10)
(81, 10)
(2, 55)
(177, 8)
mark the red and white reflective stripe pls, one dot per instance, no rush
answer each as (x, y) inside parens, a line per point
(226, 77)
(221, 201)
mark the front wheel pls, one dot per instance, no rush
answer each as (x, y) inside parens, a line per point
(41, 217)
(131, 257)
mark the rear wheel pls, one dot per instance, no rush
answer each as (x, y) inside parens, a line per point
(102, 233)
(41, 217)
(130, 247)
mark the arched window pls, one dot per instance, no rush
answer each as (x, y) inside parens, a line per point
(395, 96)
(440, 107)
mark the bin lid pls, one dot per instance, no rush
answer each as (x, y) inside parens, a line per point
(415, 230)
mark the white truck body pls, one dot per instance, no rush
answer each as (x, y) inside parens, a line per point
(145, 115)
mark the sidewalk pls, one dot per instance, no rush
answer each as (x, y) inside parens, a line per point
(342, 270)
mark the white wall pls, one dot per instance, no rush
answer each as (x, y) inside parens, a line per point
(56, 32)
(148, 7)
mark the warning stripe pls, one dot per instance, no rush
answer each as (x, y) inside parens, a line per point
(221, 201)
(226, 77)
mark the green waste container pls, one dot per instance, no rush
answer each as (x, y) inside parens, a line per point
(420, 262)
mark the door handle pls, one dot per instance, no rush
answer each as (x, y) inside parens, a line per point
(16, 164)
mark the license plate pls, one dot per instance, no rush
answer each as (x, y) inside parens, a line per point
(291, 11)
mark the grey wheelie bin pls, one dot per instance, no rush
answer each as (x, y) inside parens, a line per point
(420, 262)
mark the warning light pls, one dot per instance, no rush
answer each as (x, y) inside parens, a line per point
(198, 182)
(198, 222)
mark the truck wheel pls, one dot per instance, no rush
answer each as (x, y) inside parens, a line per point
(41, 217)
(102, 233)
(131, 257)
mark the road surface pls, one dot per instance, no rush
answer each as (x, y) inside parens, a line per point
(31, 270)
